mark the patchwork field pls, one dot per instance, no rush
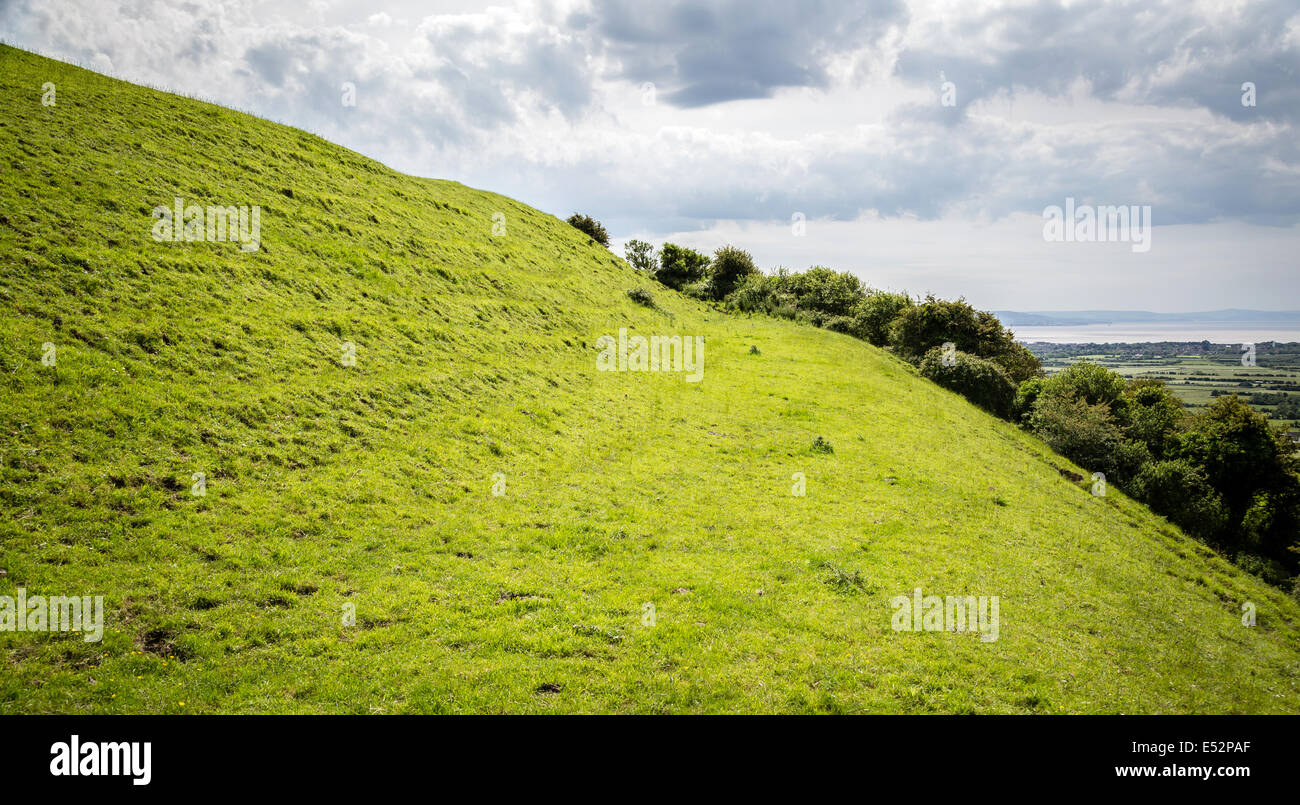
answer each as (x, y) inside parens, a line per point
(1197, 373)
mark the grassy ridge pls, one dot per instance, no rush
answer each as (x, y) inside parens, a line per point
(371, 485)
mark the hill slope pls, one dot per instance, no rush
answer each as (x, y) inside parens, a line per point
(371, 485)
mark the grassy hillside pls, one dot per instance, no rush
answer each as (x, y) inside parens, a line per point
(372, 485)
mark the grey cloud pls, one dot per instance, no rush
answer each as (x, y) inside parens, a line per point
(1124, 50)
(705, 53)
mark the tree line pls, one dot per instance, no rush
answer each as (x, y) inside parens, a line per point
(1222, 474)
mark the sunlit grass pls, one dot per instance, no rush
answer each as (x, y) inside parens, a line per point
(372, 485)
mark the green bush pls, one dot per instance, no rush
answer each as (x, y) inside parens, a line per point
(591, 226)
(1252, 466)
(874, 315)
(1267, 569)
(1027, 393)
(641, 296)
(728, 267)
(1151, 414)
(980, 381)
(1087, 381)
(843, 324)
(821, 290)
(1087, 435)
(702, 290)
(919, 328)
(1180, 492)
(680, 266)
(752, 294)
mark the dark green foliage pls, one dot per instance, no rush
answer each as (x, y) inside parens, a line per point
(641, 296)
(640, 255)
(1151, 414)
(1267, 569)
(752, 295)
(1182, 493)
(873, 316)
(842, 324)
(728, 267)
(1088, 435)
(934, 322)
(1090, 382)
(1026, 395)
(680, 266)
(980, 381)
(1252, 466)
(591, 226)
(820, 445)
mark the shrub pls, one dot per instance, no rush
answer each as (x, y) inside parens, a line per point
(812, 317)
(1027, 394)
(640, 255)
(843, 324)
(728, 267)
(922, 327)
(1088, 436)
(1151, 414)
(702, 290)
(1270, 571)
(1181, 492)
(820, 445)
(591, 226)
(1090, 382)
(978, 380)
(821, 290)
(752, 294)
(874, 315)
(641, 296)
(1252, 466)
(679, 266)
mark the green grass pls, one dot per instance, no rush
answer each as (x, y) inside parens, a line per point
(371, 485)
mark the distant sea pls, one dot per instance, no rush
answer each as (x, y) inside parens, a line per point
(1141, 332)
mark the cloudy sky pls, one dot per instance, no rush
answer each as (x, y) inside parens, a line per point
(913, 142)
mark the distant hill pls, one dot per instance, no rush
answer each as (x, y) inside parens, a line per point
(1047, 318)
(370, 465)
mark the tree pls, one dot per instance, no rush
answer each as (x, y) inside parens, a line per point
(640, 255)
(1251, 465)
(1151, 414)
(591, 226)
(680, 266)
(728, 267)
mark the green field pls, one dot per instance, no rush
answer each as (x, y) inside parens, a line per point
(370, 488)
(1194, 373)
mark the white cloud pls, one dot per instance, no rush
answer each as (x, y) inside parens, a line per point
(802, 108)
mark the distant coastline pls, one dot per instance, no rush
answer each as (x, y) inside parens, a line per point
(1232, 326)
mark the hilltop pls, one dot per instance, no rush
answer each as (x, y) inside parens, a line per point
(393, 409)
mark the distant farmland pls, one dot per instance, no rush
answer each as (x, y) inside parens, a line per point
(1198, 371)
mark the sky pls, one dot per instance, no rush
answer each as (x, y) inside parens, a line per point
(919, 144)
